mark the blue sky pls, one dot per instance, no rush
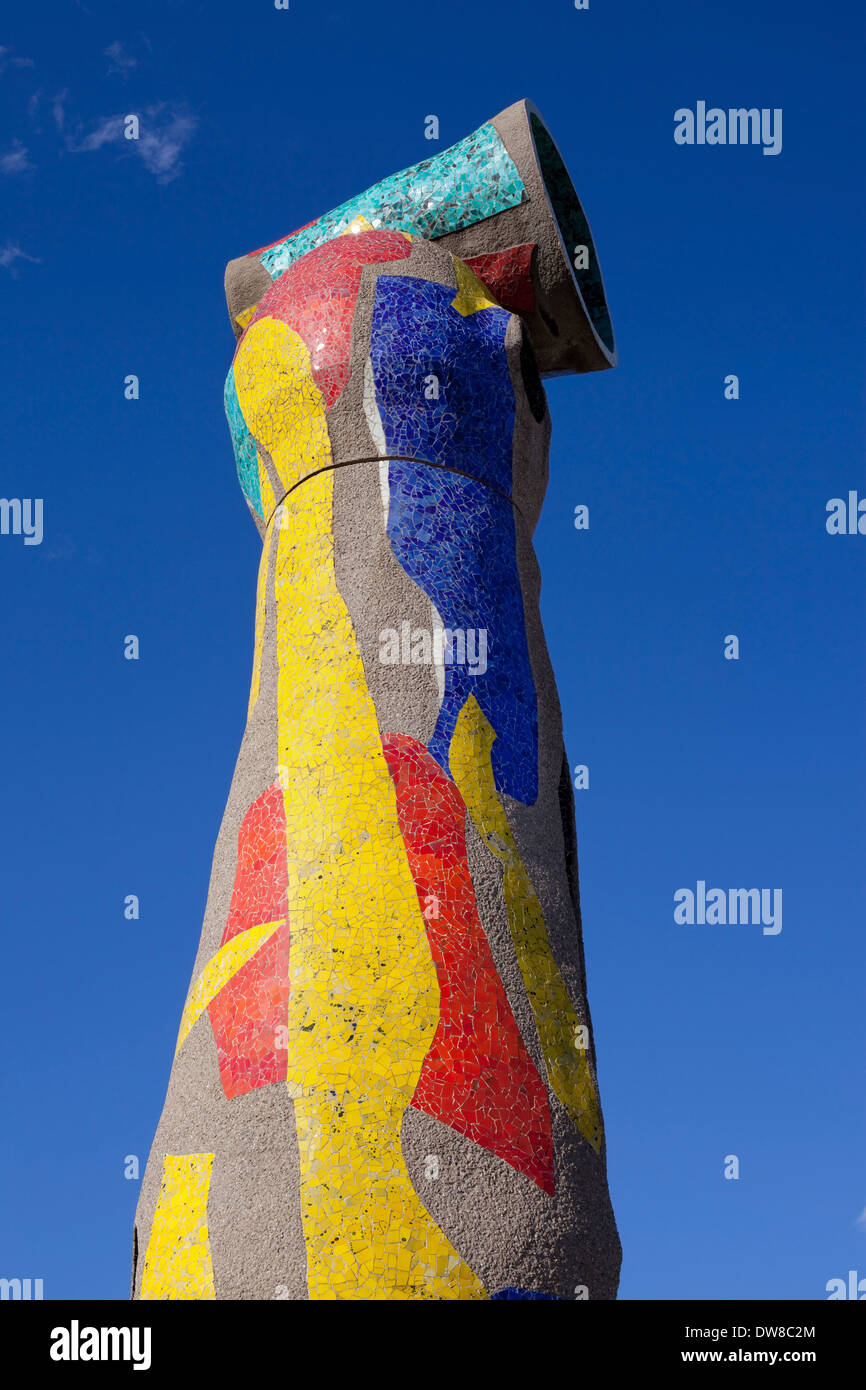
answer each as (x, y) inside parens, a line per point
(707, 517)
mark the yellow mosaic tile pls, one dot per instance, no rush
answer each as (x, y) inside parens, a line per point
(178, 1264)
(364, 1001)
(557, 1023)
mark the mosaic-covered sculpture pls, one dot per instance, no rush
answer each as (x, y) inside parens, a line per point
(384, 1084)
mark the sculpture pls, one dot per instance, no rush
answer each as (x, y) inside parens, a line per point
(384, 1084)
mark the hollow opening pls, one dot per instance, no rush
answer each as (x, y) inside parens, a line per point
(573, 228)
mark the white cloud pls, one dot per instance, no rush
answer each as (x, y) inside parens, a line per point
(8, 59)
(10, 253)
(120, 62)
(164, 133)
(59, 110)
(15, 160)
(161, 146)
(108, 129)
(861, 1219)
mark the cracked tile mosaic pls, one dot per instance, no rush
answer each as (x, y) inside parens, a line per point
(178, 1262)
(508, 276)
(246, 457)
(477, 1076)
(250, 1010)
(467, 183)
(455, 535)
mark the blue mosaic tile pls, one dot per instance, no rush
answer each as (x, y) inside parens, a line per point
(455, 535)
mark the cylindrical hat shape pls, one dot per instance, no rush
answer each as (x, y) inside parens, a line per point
(503, 201)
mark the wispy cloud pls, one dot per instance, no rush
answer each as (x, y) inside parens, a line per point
(15, 160)
(120, 61)
(62, 549)
(58, 108)
(162, 144)
(10, 253)
(164, 133)
(861, 1220)
(8, 59)
(106, 130)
